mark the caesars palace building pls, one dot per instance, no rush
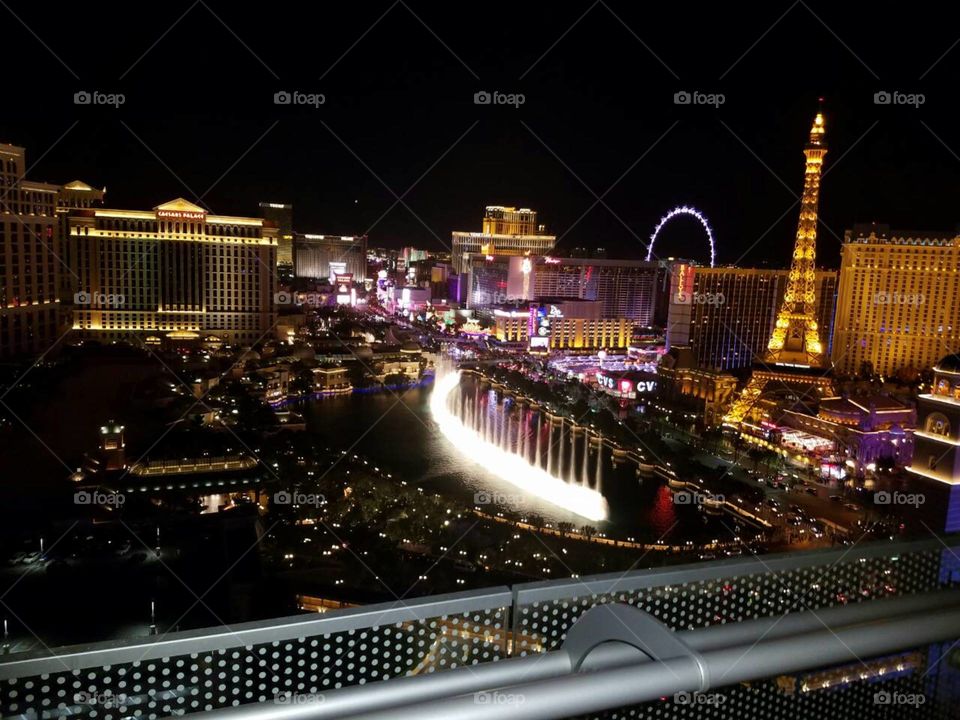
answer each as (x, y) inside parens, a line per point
(174, 272)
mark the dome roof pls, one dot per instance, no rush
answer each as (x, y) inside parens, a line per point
(950, 363)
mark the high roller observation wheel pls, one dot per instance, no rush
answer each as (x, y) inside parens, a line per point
(683, 210)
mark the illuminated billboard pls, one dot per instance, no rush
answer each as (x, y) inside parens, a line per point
(539, 326)
(626, 385)
(346, 295)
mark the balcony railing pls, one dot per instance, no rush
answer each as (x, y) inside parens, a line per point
(864, 631)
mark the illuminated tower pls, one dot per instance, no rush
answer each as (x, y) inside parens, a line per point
(796, 338)
(794, 367)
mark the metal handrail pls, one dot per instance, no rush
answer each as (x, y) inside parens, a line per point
(544, 663)
(638, 656)
(592, 692)
(81, 657)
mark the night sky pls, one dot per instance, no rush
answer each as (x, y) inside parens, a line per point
(399, 80)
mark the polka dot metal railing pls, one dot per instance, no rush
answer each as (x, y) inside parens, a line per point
(190, 672)
(257, 662)
(924, 683)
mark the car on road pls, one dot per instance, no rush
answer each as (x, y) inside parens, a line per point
(852, 507)
(837, 498)
(810, 491)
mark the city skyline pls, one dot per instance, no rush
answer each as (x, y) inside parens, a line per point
(410, 361)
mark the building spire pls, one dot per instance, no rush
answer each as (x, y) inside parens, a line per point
(796, 337)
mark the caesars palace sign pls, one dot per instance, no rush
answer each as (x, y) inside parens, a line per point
(180, 215)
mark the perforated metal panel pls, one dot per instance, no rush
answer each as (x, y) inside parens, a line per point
(310, 655)
(729, 591)
(319, 655)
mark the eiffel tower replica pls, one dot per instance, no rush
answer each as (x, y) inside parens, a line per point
(793, 373)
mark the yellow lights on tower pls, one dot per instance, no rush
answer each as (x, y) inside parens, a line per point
(795, 319)
(796, 338)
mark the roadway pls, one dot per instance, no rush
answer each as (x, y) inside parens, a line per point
(811, 498)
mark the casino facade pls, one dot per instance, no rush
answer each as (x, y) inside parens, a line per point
(173, 272)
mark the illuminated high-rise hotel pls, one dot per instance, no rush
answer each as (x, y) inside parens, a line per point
(899, 300)
(499, 220)
(173, 271)
(281, 214)
(323, 257)
(634, 290)
(506, 231)
(726, 315)
(30, 265)
(72, 196)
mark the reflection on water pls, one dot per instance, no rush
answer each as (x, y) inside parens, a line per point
(396, 431)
